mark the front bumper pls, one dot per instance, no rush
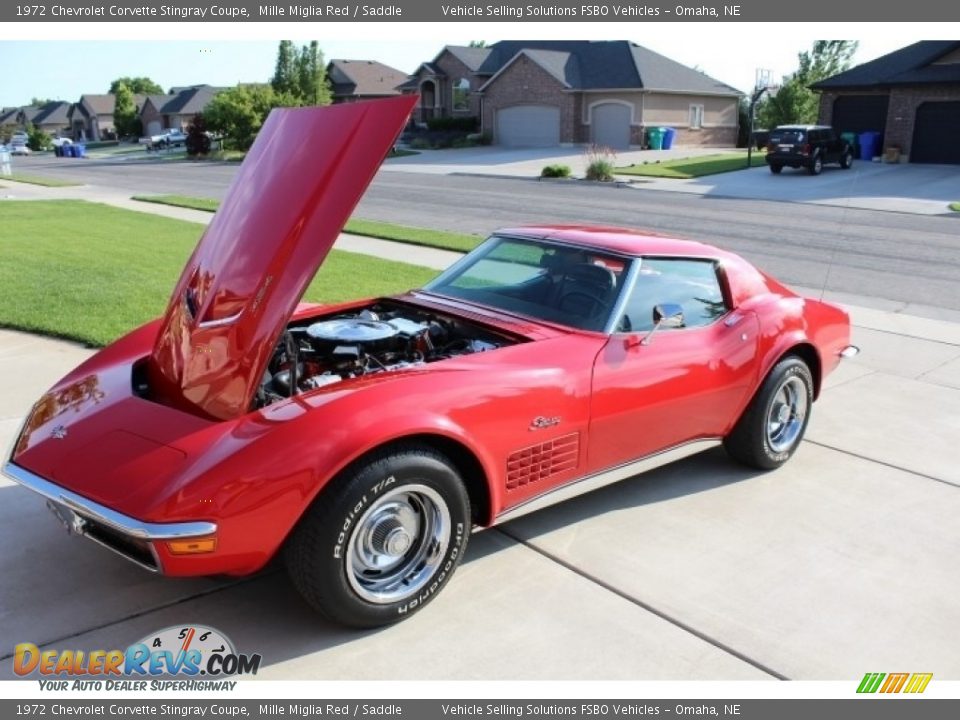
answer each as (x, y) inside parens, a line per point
(124, 535)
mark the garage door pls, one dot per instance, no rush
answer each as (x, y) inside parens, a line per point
(859, 113)
(610, 126)
(528, 126)
(153, 127)
(936, 133)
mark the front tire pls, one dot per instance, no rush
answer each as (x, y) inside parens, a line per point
(771, 428)
(381, 542)
(776, 169)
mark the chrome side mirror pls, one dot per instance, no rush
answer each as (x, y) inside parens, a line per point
(665, 315)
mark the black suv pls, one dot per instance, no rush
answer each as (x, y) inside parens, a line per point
(808, 146)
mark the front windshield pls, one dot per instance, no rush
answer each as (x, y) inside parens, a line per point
(572, 286)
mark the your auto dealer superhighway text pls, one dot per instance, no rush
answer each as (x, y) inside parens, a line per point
(144, 11)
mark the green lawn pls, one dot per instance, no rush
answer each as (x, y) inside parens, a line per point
(693, 167)
(371, 228)
(91, 272)
(46, 182)
(955, 206)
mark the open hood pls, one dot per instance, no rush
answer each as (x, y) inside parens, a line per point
(288, 203)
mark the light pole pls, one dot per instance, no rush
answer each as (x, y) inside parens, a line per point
(754, 99)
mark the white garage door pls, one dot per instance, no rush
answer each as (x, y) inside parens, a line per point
(528, 126)
(153, 127)
(610, 123)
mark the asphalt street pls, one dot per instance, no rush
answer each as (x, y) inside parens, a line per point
(889, 257)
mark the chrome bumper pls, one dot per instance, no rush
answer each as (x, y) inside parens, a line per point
(849, 351)
(126, 536)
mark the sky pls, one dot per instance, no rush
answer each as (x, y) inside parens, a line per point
(65, 68)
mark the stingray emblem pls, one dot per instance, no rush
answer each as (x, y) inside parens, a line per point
(541, 422)
(59, 432)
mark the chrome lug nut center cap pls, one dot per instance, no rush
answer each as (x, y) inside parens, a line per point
(398, 542)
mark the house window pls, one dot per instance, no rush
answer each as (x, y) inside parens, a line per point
(461, 94)
(696, 116)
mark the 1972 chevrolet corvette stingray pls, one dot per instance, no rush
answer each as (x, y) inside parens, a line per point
(364, 441)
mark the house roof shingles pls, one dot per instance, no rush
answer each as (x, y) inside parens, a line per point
(52, 113)
(604, 65)
(912, 65)
(364, 78)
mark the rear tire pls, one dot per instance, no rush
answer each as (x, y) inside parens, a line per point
(772, 426)
(846, 160)
(816, 165)
(775, 169)
(381, 542)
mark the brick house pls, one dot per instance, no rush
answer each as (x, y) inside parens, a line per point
(352, 80)
(52, 117)
(175, 110)
(911, 96)
(545, 93)
(92, 118)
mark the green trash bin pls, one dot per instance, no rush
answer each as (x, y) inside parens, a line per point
(852, 139)
(655, 138)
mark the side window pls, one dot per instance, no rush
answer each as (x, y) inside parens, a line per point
(815, 136)
(691, 284)
(696, 116)
(461, 94)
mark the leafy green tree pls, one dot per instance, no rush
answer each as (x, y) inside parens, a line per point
(285, 76)
(39, 102)
(125, 117)
(137, 85)
(477, 43)
(238, 113)
(796, 102)
(37, 139)
(312, 87)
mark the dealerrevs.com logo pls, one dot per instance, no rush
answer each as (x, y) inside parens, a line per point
(180, 651)
(888, 683)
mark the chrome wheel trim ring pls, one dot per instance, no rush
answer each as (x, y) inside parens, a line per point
(398, 543)
(787, 414)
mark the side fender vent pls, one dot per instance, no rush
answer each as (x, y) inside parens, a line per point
(539, 462)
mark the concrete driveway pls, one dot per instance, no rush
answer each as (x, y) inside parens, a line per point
(841, 562)
(922, 189)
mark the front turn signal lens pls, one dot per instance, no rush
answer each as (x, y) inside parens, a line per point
(192, 546)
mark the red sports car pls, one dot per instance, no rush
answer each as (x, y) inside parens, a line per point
(364, 441)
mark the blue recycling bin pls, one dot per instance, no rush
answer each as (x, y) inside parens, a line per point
(869, 145)
(79, 151)
(669, 137)
(68, 150)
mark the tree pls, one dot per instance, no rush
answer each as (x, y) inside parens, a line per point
(795, 102)
(285, 77)
(301, 75)
(37, 139)
(477, 43)
(125, 117)
(39, 102)
(312, 87)
(198, 142)
(137, 85)
(239, 113)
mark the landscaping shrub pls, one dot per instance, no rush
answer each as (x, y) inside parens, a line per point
(198, 141)
(600, 163)
(420, 143)
(555, 171)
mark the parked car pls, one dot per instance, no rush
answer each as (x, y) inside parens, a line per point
(808, 146)
(362, 441)
(165, 140)
(19, 147)
(61, 141)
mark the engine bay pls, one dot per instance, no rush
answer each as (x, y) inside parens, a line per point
(383, 337)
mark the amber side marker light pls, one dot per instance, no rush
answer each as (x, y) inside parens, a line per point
(193, 546)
